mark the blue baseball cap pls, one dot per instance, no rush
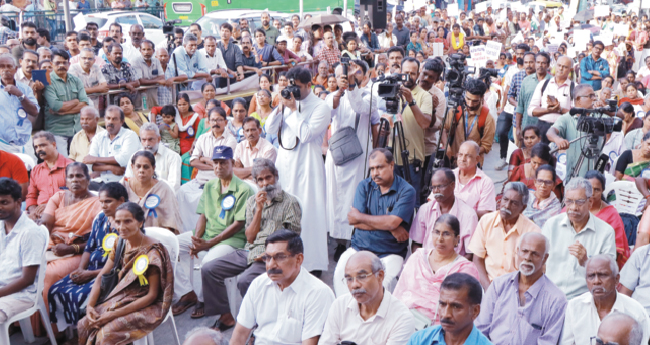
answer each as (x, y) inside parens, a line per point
(222, 152)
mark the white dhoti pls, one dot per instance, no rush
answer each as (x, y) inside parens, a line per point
(188, 197)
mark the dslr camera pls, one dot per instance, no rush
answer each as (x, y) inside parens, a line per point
(389, 91)
(291, 89)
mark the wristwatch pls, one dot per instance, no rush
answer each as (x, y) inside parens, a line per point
(21, 97)
(412, 103)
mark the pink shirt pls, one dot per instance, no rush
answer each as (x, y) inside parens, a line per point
(491, 242)
(428, 214)
(246, 154)
(478, 193)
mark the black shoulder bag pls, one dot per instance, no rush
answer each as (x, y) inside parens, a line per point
(110, 280)
(345, 145)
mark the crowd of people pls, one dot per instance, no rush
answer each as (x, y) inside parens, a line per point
(129, 138)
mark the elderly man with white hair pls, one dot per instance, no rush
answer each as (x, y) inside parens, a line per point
(495, 239)
(204, 336)
(80, 144)
(575, 236)
(585, 312)
(524, 307)
(619, 328)
(370, 314)
(473, 186)
(186, 61)
(168, 162)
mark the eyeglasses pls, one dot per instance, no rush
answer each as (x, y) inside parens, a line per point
(279, 258)
(578, 202)
(438, 187)
(361, 278)
(597, 341)
(544, 182)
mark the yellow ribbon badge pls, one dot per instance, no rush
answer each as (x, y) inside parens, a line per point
(140, 267)
(109, 243)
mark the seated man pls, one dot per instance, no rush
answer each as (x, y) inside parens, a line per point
(619, 328)
(205, 336)
(189, 194)
(584, 312)
(635, 280)
(443, 201)
(267, 211)
(80, 143)
(46, 178)
(459, 306)
(111, 150)
(218, 232)
(576, 236)
(11, 166)
(473, 186)
(22, 245)
(252, 148)
(524, 307)
(168, 162)
(286, 286)
(383, 207)
(495, 239)
(352, 316)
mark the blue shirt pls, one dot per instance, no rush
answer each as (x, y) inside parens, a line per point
(436, 335)
(403, 36)
(13, 129)
(398, 201)
(589, 64)
(269, 54)
(84, 7)
(186, 65)
(373, 44)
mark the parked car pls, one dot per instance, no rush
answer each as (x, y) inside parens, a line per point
(152, 24)
(211, 22)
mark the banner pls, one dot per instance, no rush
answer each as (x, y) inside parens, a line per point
(493, 50)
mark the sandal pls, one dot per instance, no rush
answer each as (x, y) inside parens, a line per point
(199, 311)
(182, 305)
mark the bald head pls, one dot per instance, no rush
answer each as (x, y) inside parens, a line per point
(534, 239)
(563, 67)
(204, 336)
(365, 258)
(620, 328)
(469, 145)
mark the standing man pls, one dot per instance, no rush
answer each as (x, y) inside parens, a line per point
(65, 98)
(431, 73)
(28, 40)
(401, 32)
(195, 28)
(300, 161)
(132, 49)
(231, 53)
(593, 68)
(329, 52)
(93, 32)
(524, 307)
(151, 72)
(90, 74)
(271, 31)
(526, 93)
(120, 74)
(28, 63)
(165, 89)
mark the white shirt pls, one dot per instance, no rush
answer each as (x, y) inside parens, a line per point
(581, 321)
(539, 100)
(125, 144)
(211, 62)
(287, 316)
(204, 146)
(507, 79)
(168, 167)
(130, 52)
(643, 72)
(384, 42)
(392, 324)
(10, 8)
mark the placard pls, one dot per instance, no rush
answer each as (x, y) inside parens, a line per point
(601, 11)
(452, 9)
(481, 7)
(581, 38)
(438, 49)
(606, 37)
(552, 48)
(493, 50)
(622, 29)
(571, 52)
(479, 58)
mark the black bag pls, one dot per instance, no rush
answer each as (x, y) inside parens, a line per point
(345, 145)
(110, 280)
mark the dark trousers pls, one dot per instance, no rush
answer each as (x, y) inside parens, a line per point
(216, 271)
(504, 123)
(543, 127)
(416, 178)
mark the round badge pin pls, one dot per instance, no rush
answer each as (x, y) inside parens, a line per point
(190, 131)
(22, 115)
(140, 267)
(109, 243)
(228, 202)
(151, 203)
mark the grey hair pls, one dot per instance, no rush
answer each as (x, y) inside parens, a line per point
(636, 331)
(217, 337)
(474, 145)
(44, 134)
(89, 109)
(377, 265)
(579, 89)
(520, 188)
(189, 37)
(261, 164)
(44, 49)
(547, 243)
(149, 126)
(88, 50)
(612, 263)
(579, 183)
(9, 56)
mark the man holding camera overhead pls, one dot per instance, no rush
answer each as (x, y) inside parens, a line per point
(301, 121)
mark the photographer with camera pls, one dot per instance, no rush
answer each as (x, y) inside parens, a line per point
(301, 121)
(565, 129)
(175, 41)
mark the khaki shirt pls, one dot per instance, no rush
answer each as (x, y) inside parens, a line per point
(413, 133)
(484, 141)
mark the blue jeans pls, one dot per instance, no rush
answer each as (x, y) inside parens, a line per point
(416, 179)
(504, 124)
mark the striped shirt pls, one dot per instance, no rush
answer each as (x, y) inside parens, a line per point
(284, 212)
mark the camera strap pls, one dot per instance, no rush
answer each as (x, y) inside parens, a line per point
(280, 135)
(468, 132)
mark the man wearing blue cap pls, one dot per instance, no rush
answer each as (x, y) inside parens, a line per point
(219, 231)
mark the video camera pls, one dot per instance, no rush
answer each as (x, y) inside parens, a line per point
(168, 27)
(455, 75)
(598, 126)
(291, 89)
(389, 91)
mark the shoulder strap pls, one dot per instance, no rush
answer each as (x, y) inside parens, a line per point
(546, 84)
(482, 118)
(571, 89)
(356, 123)
(117, 265)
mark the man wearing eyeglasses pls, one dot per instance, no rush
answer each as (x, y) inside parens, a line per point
(583, 313)
(618, 329)
(268, 211)
(370, 314)
(574, 237)
(593, 68)
(565, 130)
(443, 201)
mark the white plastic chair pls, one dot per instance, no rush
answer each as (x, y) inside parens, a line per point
(23, 318)
(169, 240)
(628, 197)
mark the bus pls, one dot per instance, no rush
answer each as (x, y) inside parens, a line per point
(188, 11)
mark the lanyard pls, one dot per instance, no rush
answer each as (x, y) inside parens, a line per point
(467, 132)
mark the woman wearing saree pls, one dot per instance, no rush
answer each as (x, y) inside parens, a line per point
(69, 295)
(632, 162)
(208, 92)
(540, 154)
(265, 84)
(423, 273)
(543, 203)
(136, 306)
(521, 156)
(68, 216)
(156, 198)
(631, 95)
(236, 122)
(132, 119)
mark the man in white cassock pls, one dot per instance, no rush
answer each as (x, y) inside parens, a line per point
(349, 101)
(302, 122)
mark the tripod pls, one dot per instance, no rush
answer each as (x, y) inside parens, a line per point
(455, 102)
(398, 137)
